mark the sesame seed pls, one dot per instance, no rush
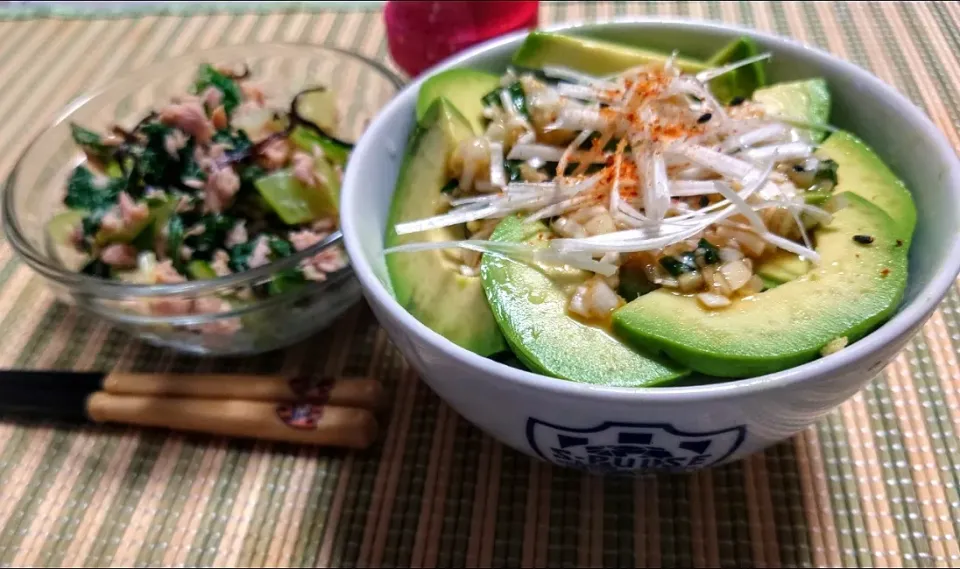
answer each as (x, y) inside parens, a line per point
(704, 118)
(863, 239)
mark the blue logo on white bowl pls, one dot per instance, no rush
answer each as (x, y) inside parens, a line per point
(627, 447)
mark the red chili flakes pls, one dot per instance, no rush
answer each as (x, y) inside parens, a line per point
(884, 272)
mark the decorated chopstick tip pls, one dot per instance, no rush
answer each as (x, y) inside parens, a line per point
(361, 392)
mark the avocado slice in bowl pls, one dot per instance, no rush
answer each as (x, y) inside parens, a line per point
(861, 171)
(856, 287)
(742, 82)
(460, 87)
(807, 101)
(530, 305)
(589, 55)
(598, 57)
(429, 284)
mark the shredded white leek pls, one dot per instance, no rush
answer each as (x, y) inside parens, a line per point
(675, 151)
(711, 74)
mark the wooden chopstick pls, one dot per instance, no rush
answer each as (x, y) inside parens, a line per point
(324, 412)
(359, 392)
(303, 423)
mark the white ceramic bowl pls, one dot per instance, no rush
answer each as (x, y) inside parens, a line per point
(626, 429)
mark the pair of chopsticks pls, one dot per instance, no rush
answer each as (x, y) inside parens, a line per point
(327, 412)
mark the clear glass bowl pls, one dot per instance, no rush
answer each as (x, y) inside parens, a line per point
(34, 192)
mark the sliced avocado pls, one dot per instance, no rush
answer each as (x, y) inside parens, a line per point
(589, 55)
(295, 202)
(861, 171)
(806, 101)
(741, 82)
(460, 87)
(530, 304)
(855, 288)
(429, 284)
(780, 267)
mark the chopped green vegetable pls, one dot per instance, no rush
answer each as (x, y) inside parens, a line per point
(201, 270)
(336, 151)
(677, 267)
(240, 255)
(492, 99)
(708, 252)
(215, 229)
(286, 281)
(91, 143)
(235, 141)
(826, 171)
(60, 228)
(292, 201)
(516, 95)
(518, 98)
(512, 168)
(175, 240)
(91, 223)
(88, 191)
(155, 166)
(207, 76)
(280, 248)
(450, 187)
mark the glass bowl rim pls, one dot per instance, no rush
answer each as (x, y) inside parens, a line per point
(119, 289)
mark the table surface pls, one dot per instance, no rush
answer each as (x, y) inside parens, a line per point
(873, 484)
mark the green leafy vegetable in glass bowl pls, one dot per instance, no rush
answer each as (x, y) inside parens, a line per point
(210, 223)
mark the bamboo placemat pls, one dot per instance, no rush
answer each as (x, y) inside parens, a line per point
(874, 484)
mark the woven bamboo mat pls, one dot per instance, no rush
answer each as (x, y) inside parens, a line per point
(874, 484)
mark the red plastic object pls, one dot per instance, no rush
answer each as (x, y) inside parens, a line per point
(421, 34)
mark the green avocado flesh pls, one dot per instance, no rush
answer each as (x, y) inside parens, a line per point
(428, 283)
(780, 267)
(589, 55)
(598, 57)
(743, 81)
(806, 101)
(861, 171)
(460, 87)
(659, 337)
(530, 303)
(855, 288)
